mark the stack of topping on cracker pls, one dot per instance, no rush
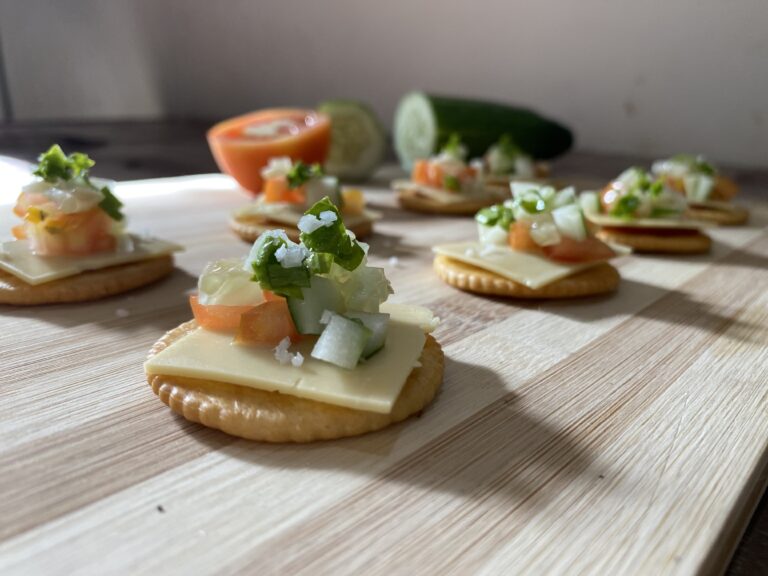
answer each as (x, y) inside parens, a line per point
(535, 245)
(505, 162)
(296, 342)
(709, 194)
(289, 189)
(72, 244)
(446, 184)
(644, 213)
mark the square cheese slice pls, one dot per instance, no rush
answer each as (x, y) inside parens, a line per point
(527, 269)
(16, 258)
(489, 193)
(373, 385)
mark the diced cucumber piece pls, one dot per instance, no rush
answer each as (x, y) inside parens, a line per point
(423, 123)
(570, 222)
(323, 294)
(377, 324)
(364, 288)
(358, 140)
(342, 342)
(318, 188)
(564, 197)
(495, 235)
(590, 202)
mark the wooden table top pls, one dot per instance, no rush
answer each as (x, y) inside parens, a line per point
(625, 434)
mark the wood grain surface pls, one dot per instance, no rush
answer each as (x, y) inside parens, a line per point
(617, 435)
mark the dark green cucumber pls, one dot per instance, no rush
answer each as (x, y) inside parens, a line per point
(424, 122)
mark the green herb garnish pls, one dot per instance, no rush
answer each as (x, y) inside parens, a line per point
(453, 145)
(301, 173)
(333, 239)
(271, 275)
(451, 183)
(496, 215)
(508, 147)
(626, 206)
(55, 166)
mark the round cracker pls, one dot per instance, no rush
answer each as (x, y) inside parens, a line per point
(429, 206)
(249, 229)
(599, 279)
(274, 417)
(697, 243)
(734, 216)
(85, 286)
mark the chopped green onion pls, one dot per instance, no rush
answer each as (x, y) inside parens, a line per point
(451, 183)
(333, 239)
(111, 204)
(626, 206)
(301, 173)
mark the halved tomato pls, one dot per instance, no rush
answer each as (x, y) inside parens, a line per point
(243, 145)
(217, 317)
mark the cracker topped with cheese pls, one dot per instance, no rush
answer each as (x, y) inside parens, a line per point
(296, 342)
(645, 213)
(708, 192)
(72, 244)
(289, 189)
(447, 184)
(535, 245)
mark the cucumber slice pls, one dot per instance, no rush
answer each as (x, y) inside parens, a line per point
(323, 294)
(358, 140)
(377, 324)
(424, 122)
(342, 342)
(363, 289)
(570, 222)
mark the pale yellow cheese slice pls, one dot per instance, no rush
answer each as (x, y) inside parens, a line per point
(16, 258)
(448, 197)
(676, 223)
(527, 269)
(373, 385)
(288, 214)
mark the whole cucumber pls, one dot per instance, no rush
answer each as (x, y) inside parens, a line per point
(423, 123)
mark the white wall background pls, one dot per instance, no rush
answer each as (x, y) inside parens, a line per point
(648, 77)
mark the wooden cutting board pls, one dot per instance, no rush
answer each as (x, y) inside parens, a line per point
(618, 435)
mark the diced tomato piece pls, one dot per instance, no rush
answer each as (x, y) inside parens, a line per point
(19, 232)
(520, 238)
(577, 251)
(270, 296)
(420, 173)
(277, 190)
(267, 324)
(74, 234)
(217, 317)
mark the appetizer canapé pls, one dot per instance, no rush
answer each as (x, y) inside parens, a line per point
(72, 244)
(289, 189)
(644, 213)
(296, 342)
(536, 245)
(709, 194)
(505, 162)
(447, 184)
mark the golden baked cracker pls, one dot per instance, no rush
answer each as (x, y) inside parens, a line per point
(599, 279)
(275, 417)
(697, 243)
(425, 205)
(250, 228)
(734, 216)
(85, 286)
